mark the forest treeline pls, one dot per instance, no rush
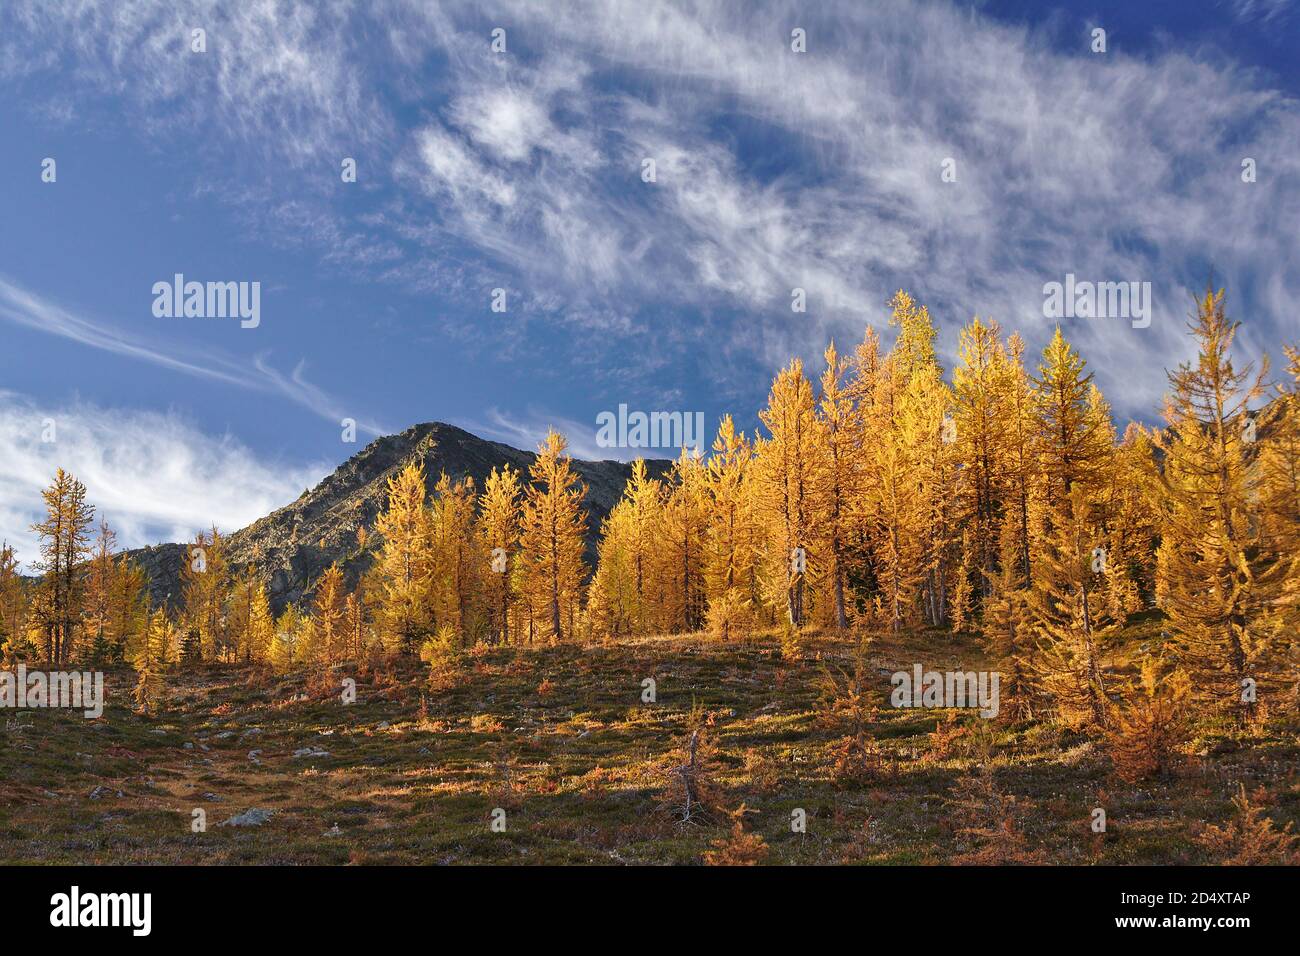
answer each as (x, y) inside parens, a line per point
(878, 496)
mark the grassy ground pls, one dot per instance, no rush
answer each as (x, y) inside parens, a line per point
(560, 740)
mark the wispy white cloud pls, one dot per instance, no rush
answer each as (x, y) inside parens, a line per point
(528, 430)
(31, 311)
(1264, 11)
(25, 308)
(1108, 166)
(278, 75)
(775, 170)
(152, 474)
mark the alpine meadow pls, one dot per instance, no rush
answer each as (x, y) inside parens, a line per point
(649, 435)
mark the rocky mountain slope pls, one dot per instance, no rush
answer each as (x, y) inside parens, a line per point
(294, 544)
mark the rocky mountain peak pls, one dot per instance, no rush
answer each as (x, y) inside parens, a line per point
(294, 544)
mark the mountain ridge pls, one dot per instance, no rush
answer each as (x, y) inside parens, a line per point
(292, 545)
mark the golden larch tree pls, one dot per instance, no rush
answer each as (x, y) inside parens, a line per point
(642, 517)
(612, 602)
(682, 539)
(128, 605)
(64, 543)
(1212, 546)
(205, 577)
(551, 543)
(730, 573)
(13, 607)
(785, 470)
(895, 505)
(329, 625)
(498, 529)
(98, 616)
(457, 567)
(1071, 442)
(838, 480)
(404, 564)
(1069, 618)
(984, 414)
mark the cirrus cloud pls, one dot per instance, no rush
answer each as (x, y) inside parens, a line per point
(152, 474)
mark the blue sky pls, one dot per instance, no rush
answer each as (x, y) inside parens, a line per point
(521, 170)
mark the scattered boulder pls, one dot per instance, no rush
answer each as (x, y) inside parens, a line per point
(249, 818)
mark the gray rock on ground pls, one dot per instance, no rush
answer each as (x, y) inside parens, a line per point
(254, 817)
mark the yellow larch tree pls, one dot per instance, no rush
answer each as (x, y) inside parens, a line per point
(261, 626)
(982, 420)
(927, 428)
(1280, 459)
(682, 540)
(239, 610)
(1070, 618)
(329, 623)
(612, 603)
(838, 482)
(1212, 545)
(1006, 626)
(250, 621)
(1024, 493)
(730, 572)
(1073, 449)
(920, 404)
(128, 606)
(644, 523)
(157, 650)
(289, 639)
(914, 348)
(864, 388)
(1280, 490)
(1072, 444)
(98, 612)
(634, 581)
(355, 623)
(785, 470)
(551, 542)
(205, 576)
(629, 589)
(64, 540)
(13, 607)
(457, 566)
(1130, 525)
(498, 532)
(404, 563)
(894, 502)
